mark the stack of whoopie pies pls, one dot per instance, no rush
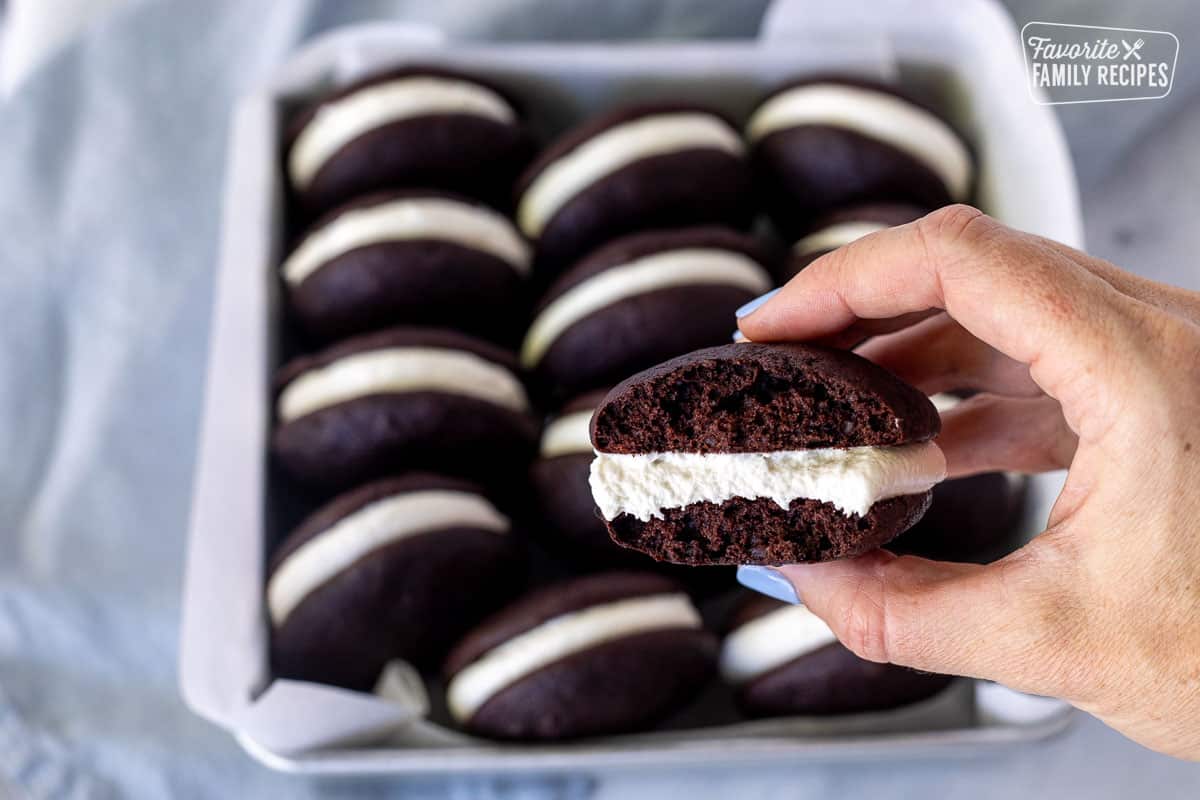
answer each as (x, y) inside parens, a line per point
(460, 306)
(406, 420)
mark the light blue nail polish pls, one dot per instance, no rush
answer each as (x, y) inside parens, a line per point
(738, 336)
(755, 304)
(768, 581)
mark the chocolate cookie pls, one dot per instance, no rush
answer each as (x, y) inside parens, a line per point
(782, 660)
(404, 398)
(976, 519)
(828, 143)
(608, 653)
(416, 126)
(364, 579)
(633, 169)
(410, 258)
(639, 300)
(763, 454)
(843, 227)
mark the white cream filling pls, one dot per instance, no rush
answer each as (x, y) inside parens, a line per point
(875, 114)
(395, 370)
(835, 236)
(560, 637)
(373, 526)
(644, 485)
(770, 641)
(568, 434)
(672, 268)
(612, 149)
(339, 122)
(405, 219)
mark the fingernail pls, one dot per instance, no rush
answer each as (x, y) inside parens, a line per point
(738, 336)
(768, 581)
(755, 304)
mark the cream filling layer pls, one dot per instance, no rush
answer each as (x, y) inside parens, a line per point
(851, 479)
(666, 270)
(407, 219)
(339, 122)
(373, 526)
(560, 637)
(835, 236)
(568, 434)
(612, 149)
(875, 114)
(770, 641)
(396, 370)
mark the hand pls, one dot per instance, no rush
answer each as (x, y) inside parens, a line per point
(1079, 365)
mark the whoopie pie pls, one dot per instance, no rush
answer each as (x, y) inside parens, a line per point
(603, 654)
(413, 258)
(364, 579)
(640, 300)
(821, 144)
(403, 399)
(763, 454)
(632, 169)
(416, 126)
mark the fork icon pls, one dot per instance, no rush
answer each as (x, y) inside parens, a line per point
(1132, 49)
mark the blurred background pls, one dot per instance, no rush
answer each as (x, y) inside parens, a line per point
(113, 126)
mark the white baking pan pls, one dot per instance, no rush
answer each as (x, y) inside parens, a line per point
(962, 55)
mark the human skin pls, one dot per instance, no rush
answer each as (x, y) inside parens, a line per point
(1079, 364)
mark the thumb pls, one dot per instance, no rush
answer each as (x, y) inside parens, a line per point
(959, 619)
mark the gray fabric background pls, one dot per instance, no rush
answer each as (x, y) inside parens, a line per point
(111, 162)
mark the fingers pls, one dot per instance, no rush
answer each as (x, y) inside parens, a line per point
(957, 619)
(1015, 292)
(939, 355)
(987, 433)
(865, 329)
